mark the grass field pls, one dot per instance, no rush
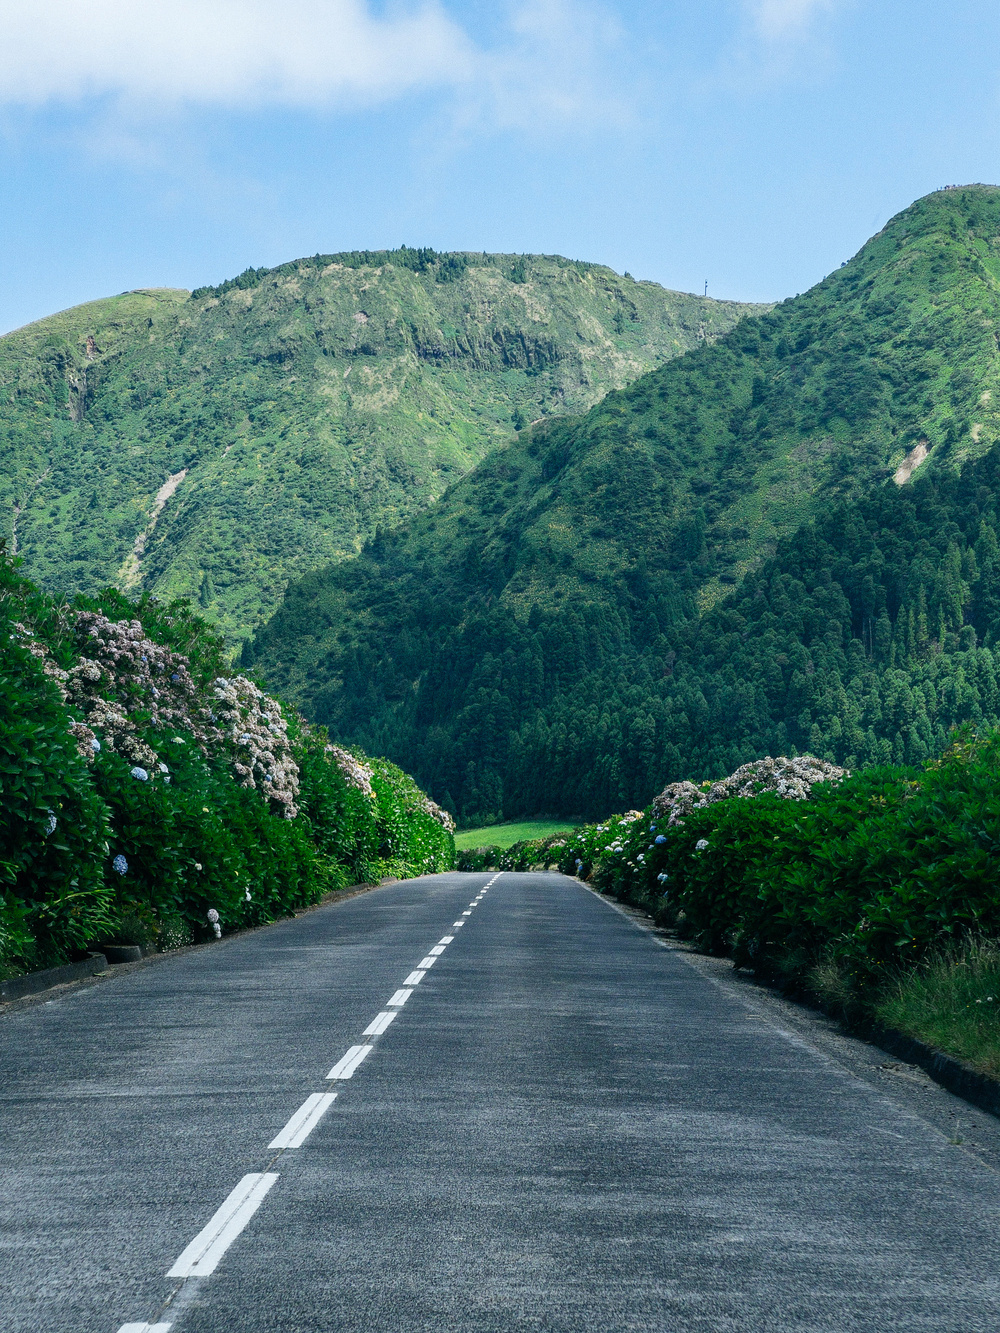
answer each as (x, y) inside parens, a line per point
(505, 835)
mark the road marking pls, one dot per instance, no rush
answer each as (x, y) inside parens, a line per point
(304, 1121)
(346, 1065)
(144, 1328)
(427, 962)
(437, 951)
(446, 939)
(414, 979)
(379, 1024)
(465, 914)
(211, 1243)
(400, 998)
(457, 925)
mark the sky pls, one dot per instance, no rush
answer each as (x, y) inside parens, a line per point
(750, 144)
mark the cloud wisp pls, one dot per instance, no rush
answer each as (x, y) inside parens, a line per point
(781, 19)
(302, 53)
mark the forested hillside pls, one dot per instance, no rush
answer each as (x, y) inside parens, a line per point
(217, 443)
(605, 606)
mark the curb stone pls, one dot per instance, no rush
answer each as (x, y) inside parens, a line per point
(958, 1077)
(33, 982)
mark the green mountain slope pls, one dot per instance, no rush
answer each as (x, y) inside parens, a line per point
(524, 644)
(217, 443)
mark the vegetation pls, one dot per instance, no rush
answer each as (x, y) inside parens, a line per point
(217, 443)
(951, 1003)
(505, 835)
(143, 787)
(712, 564)
(874, 892)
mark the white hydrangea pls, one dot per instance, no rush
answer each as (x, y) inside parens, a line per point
(437, 812)
(355, 773)
(791, 779)
(256, 737)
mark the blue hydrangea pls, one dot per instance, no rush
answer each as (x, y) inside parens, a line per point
(95, 745)
(120, 864)
(140, 774)
(174, 675)
(50, 824)
(659, 840)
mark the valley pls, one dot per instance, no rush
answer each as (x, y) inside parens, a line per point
(612, 601)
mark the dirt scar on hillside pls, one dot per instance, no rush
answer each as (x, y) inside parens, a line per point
(130, 573)
(910, 463)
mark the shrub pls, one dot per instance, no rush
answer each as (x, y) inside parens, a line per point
(142, 786)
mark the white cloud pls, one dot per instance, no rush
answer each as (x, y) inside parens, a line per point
(786, 18)
(231, 52)
(562, 64)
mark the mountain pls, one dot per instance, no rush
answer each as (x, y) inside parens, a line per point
(608, 604)
(217, 443)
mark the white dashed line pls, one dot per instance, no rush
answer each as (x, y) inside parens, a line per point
(304, 1121)
(458, 925)
(144, 1328)
(346, 1065)
(427, 962)
(414, 979)
(211, 1243)
(446, 939)
(400, 998)
(437, 951)
(379, 1024)
(467, 913)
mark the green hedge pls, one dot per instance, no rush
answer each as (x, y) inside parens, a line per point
(831, 893)
(131, 824)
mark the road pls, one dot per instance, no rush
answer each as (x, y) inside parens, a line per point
(568, 1125)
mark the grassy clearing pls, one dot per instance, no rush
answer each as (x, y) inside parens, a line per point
(952, 1003)
(505, 835)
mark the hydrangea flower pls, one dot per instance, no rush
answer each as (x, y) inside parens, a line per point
(139, 774)
(120, 864)
(701, 845)
(791, 779)
(164, 769)
(659, 840)
(50, 824)
(95, 745)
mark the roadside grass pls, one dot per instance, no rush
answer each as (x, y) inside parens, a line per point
(505, 835)
(952, 1002)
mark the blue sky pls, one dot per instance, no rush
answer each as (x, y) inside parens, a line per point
(754, 144)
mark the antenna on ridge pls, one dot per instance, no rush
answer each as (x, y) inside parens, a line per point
(706, 286)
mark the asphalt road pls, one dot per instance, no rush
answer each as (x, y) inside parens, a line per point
(567, 1126)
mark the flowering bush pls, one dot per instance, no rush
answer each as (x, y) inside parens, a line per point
(791, 779)
(256, 736)
(805, 873)
(141, 783)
